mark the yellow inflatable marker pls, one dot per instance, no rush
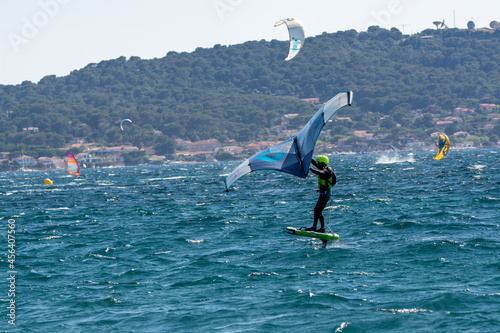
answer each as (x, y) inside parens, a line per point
(47, 181)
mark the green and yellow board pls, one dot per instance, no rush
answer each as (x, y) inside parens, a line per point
(313, 234)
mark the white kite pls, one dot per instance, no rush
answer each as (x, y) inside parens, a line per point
(296, 31)
(121, 124)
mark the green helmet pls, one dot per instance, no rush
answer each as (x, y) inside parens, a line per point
(322, 159)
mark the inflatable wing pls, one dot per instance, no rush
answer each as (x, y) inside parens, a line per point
(292, 156)
(296, 32)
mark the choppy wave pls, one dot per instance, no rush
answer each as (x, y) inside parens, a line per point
(165, 248)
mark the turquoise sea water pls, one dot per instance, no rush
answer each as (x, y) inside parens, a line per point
(165, 249)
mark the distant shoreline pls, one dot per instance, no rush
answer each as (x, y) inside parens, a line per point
(239, 160)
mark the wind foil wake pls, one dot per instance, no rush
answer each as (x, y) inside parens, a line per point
(292, 156)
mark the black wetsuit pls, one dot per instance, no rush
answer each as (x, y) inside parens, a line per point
(324, 193)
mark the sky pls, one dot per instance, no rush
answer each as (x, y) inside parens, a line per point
(55, 37)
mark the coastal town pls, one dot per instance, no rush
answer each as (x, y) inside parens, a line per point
(92, 155)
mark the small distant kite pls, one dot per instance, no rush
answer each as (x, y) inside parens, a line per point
(296, 32)
(121, 124)
(443, 145)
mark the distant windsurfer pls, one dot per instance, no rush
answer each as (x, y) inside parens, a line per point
(326, 180)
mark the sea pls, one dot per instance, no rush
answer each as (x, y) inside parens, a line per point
(166, 249)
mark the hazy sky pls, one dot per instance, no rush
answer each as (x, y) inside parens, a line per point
(55, 37)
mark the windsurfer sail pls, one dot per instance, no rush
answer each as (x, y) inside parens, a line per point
(73, 167)
(294, 155)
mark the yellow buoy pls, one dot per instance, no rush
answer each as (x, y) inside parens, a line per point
(47, 181)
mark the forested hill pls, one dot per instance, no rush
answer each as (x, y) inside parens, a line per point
(235, 92)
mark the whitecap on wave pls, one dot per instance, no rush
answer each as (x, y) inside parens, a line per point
(477, 167)
(196, 241)
(50, 237)
(386, 159)
(414, 310)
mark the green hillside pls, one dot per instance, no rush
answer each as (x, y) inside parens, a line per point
(236, 92)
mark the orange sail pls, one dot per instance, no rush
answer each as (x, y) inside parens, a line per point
(73, 167)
